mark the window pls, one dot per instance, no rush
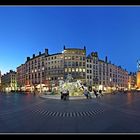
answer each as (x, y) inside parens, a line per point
(90, 66)
(66, 70)
(73, 63)
(83, 58)
(69, 64)
(65, 64)
(69, 69)
(72, 57)
(80, 69)
(42, 74)
(83, 70)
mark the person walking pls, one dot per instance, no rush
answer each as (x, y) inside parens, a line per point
(95, 93)
(86, 93)
(100, 92)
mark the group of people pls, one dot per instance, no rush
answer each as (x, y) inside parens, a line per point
(88, 93)
(65, 95)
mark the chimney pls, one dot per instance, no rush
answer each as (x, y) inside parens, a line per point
(64, 47)
(106, 59)
(39, 53)
(33, 55)
(46, 52)
(84, 47)
(28, 58)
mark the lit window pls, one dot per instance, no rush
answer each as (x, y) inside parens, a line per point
(83, 70)
(65, 70)
(76, 69)
(80, 70)
(73, 70)
(69, 69)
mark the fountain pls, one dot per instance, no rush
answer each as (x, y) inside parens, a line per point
(75, 88)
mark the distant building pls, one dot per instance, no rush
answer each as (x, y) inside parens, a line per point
(132, 82)
(8, 81)
(138, 74)
(0, 80)
(21, 77)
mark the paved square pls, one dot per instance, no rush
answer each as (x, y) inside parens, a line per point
(119, 113)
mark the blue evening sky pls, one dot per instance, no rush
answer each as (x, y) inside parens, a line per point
(112, 31)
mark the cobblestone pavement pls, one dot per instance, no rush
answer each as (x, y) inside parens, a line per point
(119, 113)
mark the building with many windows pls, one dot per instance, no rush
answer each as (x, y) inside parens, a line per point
(132, 82)
(74, 63)
(9, 81)
(103, 75)
(92, 69)
(44, 71)
(21, 77)
(54, 70)
(31, 75)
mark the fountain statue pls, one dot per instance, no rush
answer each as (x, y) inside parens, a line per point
(74, 88)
